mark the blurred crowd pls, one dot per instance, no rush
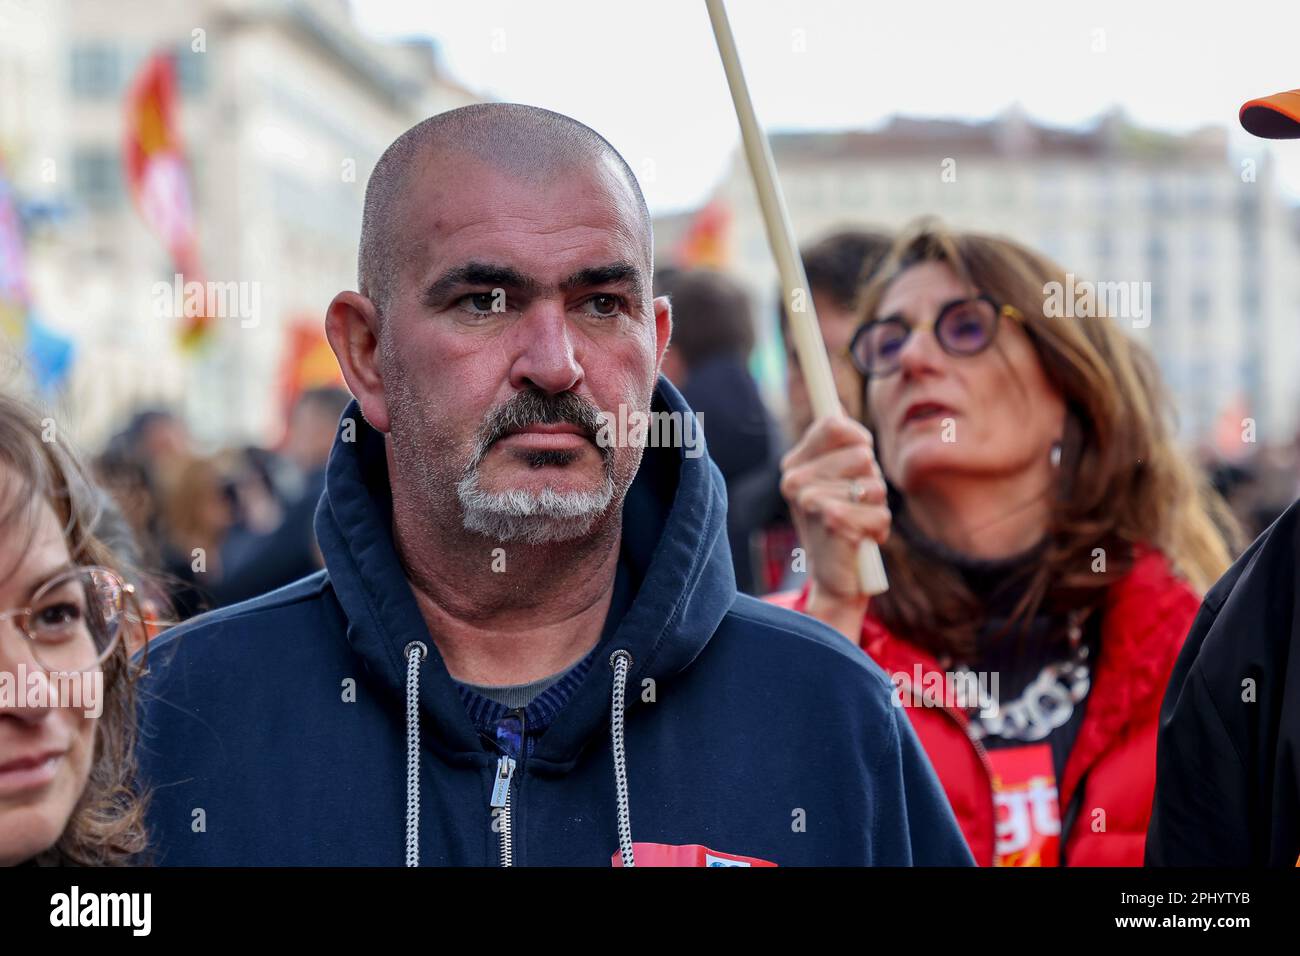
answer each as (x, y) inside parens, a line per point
(713, 335)
(1056, 555)
(218, 528)
(1259, 485)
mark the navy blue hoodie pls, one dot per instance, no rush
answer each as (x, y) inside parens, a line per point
(275, 731)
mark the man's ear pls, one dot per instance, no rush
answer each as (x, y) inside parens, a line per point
(663, 328)
(352, 327)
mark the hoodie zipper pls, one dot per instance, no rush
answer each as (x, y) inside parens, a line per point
(501, 800)
(503, 784)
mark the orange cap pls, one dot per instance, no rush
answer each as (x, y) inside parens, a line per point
(1273, 117)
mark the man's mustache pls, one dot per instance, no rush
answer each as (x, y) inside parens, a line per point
(534, 407)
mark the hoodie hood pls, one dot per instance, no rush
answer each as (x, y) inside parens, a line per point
(673, 540)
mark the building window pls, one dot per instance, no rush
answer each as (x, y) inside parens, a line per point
(96, 71)
(1051, 189)
(811, 191)
(1052, 244)
(97, 176)
(1158, 197)
(1203, 193)
(906, 191)
(855, 191)
(191, 77)
(1005, 189)
(1249, 374)
(1249, 242)
(1157, 251)
(1104, 245)
(1201, 306)
(1249, 299)
(1158, 304)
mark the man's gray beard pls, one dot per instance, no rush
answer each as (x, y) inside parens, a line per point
(543, 517)
(512, 515)
(538, 517)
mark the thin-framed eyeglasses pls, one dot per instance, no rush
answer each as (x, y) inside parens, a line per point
(75, 619)
(963, 327)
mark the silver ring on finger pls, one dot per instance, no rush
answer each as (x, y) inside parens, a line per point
(857, 490)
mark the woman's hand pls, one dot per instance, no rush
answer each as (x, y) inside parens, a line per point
(837, 499)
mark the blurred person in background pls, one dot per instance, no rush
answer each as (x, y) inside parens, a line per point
(158, 439)
(289, 551)
(1046, 534)
(196, 518)
(68, 794)
(136, 466)
(1258, 487)
(1228, 780)
(128, 480)
(836, 266)
(713, 334)
(257, 498)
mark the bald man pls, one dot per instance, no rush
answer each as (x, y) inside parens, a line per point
(526, 646)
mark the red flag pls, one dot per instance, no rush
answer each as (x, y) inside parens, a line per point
(704, 246)
(15, 295)
(308, 362)
(157, 177)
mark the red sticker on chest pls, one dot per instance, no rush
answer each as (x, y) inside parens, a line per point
(691, 854)
(1026, 806)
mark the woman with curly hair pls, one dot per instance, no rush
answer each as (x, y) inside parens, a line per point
(67, 701)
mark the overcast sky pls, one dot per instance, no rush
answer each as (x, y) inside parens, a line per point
(645, 73)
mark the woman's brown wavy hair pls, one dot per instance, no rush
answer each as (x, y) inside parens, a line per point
(1123, 483)
(107, 826)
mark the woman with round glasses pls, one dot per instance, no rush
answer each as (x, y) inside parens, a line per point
(1045, 543)
(67, 710)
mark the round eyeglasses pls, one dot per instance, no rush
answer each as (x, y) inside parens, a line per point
(74, 620)
(964, 327)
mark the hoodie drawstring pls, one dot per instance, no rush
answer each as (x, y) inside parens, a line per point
(415, 652)
(621, 661)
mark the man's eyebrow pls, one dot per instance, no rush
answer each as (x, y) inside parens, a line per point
(477, 274)
(614, 272)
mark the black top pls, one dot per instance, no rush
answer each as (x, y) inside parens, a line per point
(1227, 773)
(742, 441)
